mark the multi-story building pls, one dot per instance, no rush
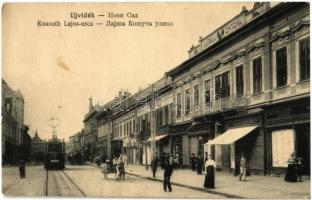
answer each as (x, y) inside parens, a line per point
(38, 148)
(90, 131)
(245, 88)
(108, 144)
(12, 122)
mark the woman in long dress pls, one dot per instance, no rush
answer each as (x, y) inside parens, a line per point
(210, 166)
(291, 175)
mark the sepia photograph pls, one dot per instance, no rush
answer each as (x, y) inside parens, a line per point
(201, 100)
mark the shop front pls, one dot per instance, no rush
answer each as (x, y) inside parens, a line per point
(199, 134)
(288, 130)
(243, 134)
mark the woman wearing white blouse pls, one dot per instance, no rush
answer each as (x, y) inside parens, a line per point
(210, 167)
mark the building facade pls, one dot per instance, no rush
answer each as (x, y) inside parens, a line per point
(38, 148)
(251, 75)
(12, 122)
(90, 131)
(245, 88)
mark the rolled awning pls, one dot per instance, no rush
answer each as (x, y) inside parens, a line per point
(232, 135)
(158, 137)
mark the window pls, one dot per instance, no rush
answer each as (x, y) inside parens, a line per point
(158, 118)
(187, 102)
(222, 85)
(120, 130)
(196, 97)
(134, 127)
(304, 59)
(239, 81)
(179, 105)
(257, 75)
(166, 115)
(281, 67)
(207, 93)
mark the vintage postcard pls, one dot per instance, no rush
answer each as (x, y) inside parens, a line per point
(156, 100)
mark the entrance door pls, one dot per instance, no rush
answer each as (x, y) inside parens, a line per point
(303, 146)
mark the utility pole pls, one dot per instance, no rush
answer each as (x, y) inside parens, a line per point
(54, 123)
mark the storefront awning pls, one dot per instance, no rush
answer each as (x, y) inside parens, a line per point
(158, 137)
(231, 135)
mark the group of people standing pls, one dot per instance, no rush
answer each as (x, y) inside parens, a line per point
(117, 166)
(197, 162)
(210, 168)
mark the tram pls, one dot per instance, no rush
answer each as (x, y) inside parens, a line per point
(55, 155)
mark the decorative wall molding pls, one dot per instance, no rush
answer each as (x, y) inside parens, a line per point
(280, 37)
(301, 28)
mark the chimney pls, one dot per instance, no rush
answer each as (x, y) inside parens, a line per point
(90, 104)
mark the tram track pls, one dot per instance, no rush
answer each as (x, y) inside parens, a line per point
(58, 183)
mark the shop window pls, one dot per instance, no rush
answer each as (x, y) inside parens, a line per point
(239, 81)
(179, 105)
(257, 75)
(282, 146)
(304, 59)
(196, 97)
(187, 102)
(281, 67)
(222, 85)
(207, 93)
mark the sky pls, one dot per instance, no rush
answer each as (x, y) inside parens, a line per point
(58, 68)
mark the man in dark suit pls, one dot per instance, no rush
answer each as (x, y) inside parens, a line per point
(167, 174)
(21, 167)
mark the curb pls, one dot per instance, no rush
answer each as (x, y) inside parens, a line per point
(190, 187)
(183, 185)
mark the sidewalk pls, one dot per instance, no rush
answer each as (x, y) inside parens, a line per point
(256, 186)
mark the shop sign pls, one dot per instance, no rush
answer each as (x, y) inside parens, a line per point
(285, 112)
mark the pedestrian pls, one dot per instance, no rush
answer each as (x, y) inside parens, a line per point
(167, 174)
(21, 167)
(291, 169)
(115, 165)
(154, 165)
(122, 167)
(199, 164)
(105, 168)
(162, 160)
(243, 168)
(193, 161)
(210, 167)
(299, 168)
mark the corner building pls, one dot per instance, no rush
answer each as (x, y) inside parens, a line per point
(246, 88)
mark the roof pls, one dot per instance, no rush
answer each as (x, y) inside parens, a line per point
(223, 33)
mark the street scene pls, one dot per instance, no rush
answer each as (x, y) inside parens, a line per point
(138, 101)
